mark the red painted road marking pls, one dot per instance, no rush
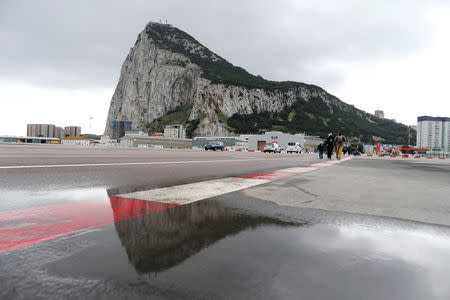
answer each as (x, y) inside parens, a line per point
(270, 175)
(34, 225)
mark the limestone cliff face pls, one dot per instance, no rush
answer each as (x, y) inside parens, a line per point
(165, 70)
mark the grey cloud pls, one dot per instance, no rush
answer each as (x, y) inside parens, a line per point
(82, 44)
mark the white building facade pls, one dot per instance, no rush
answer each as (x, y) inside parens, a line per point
(175, 132)
(433, 133)
(257, 142)
(82, 141)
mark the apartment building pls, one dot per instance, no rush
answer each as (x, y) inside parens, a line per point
(433, 133)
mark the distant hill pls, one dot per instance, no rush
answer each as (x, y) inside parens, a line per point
(169, 77)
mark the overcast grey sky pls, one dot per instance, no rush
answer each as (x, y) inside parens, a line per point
(60, 60)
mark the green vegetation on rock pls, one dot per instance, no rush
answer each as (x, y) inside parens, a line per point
(179, 115)
(214, 67)
(176, 63)
(300, 117)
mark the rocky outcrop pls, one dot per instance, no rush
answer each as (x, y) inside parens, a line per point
(155, 80)
(168, 70)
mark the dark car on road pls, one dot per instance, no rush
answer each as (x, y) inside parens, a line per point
(214, 146)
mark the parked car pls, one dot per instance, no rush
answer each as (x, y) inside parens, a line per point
(214, 146)
(272, 147)
(294, 147)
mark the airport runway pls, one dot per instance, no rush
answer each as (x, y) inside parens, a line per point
(157, 224)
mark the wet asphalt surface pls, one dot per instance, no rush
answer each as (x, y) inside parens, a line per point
(237, 245)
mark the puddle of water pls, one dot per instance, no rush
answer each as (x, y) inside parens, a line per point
(12, 200)
(208, 250)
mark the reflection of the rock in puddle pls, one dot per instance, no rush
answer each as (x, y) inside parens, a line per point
(161, 240)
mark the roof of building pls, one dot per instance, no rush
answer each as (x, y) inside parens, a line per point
(28, 137)
(428, 118)
(151, 138)
(75, 138)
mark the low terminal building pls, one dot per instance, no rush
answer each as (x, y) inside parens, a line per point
(258, 141)
(29, 139)
(155, 141)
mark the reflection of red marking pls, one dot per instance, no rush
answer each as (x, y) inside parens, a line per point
(271, 175)
(34, 225)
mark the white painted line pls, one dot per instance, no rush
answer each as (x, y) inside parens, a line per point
(299, 169)
(192, 192)
(140, 163)
(187, 193)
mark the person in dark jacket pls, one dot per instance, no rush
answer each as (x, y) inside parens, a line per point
(349, 149)
(320, 150)
(330, 145)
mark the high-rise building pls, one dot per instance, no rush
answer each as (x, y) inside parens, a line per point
(175, 131)
(41, 130)
(119, 128)
(72, 131)
(379, 114)
(59, 132)
(433, 132)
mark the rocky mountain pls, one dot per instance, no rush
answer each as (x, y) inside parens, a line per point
(168, 77)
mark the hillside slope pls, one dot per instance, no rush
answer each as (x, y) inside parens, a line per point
(169, 77)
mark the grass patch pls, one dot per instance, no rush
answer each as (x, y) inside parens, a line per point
(325, 120)
(176, 63)
(279, 128)
(221, 116)
(310, 115)
(291, 115)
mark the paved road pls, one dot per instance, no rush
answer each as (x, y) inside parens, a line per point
(359, 229)
(79, 171)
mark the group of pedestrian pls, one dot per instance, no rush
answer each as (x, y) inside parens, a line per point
(334, 143)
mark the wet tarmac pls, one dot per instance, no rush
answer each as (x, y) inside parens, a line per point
(227, 248)
(66, 233)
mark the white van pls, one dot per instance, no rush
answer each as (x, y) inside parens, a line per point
(293, 147)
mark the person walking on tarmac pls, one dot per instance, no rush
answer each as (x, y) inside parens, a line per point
(339, 140)
(320, 150)
(330, 145)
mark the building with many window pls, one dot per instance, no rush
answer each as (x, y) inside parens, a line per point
(72, 131)
(119, 128)
(59, 132)
(175, 132)
(41, 130)
(50, 130)
(433, 133)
